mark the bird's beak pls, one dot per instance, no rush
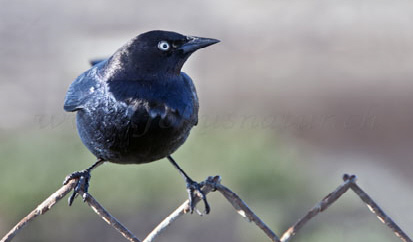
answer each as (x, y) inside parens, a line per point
(195, 43)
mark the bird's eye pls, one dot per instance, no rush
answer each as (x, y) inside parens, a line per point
(163, 45)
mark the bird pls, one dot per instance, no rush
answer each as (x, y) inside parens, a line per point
(137, 106)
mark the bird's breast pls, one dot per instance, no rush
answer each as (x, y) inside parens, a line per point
(133, 128)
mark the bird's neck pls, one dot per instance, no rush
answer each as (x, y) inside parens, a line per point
(118, 68)
(122, 66)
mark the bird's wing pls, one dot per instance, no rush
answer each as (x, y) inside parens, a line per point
(96, 61)
(81, 89)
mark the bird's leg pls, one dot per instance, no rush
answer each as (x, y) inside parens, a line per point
(82, 184)
(192, 187)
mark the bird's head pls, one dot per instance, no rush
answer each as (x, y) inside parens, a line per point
(160, 51)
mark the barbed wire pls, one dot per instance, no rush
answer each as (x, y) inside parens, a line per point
(212, 184)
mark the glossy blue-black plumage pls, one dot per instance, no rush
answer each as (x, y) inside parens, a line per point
(137, 106)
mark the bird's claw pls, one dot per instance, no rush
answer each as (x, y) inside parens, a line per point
(194, 190)
(82, 184)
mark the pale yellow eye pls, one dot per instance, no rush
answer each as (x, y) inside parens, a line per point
(163, 45)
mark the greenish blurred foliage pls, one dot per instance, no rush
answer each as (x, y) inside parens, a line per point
(266, 174)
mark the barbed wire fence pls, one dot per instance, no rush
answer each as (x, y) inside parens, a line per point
(213, 184)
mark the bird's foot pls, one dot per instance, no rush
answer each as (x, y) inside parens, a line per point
(194, 190)
(82, 184)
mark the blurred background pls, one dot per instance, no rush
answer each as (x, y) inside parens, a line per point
(296, 94)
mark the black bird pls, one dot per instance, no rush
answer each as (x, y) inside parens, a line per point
(137, 106)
